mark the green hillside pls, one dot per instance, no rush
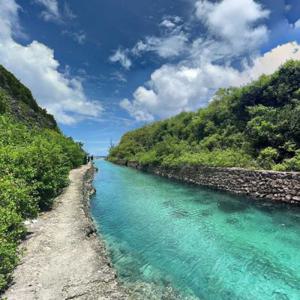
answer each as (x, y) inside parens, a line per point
(17, 100)
(35, 159)
(255, 126)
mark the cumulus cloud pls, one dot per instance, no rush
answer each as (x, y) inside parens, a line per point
(233, 31)
(234, 21)
(51, 11)
(135, 109)
(173, 89)
(272, 60)
(121, 57)
(35, 65)
(176, 88)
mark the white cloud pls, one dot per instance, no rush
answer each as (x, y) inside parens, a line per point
(176, 88)
(234, 21)
(173, 41)
(173, 89)
(51, 10)
(167, 23)
(9, 16)
(233, 31)
(134, 109)
(35, 65)
(272, 60)
(170, 22)
(166, 47)
(297, 24)
(121, 57)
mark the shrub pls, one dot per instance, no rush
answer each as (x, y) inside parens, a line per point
(257, 125)
(11, 225)
(34, 167)
(292, 164)
(8, 261)
(267, 158)
(19, 196)
(217, 158)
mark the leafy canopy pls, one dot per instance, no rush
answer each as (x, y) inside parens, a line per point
(255, 126)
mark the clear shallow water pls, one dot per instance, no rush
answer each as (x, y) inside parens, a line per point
(203, 243)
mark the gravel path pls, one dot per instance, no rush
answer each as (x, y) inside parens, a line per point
(64, 259)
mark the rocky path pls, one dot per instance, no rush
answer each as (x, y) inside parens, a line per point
(63, 257)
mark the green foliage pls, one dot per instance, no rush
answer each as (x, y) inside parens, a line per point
(16, 89)
(11, 231)
(291, 164)
(3, 102)
(255, 126)
(16, 99)
(216, 158)
(8, 261)
(17, 195)
(34, 165)
(267, 157)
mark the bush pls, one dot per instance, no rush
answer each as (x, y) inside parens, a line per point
(8, 261)
(18, 195)
(257, 125)
(267, 158)
(292, 164)
(34, 167)
(148, 158)
(218, 158)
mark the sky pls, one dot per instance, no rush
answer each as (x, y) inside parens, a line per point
(104, 67)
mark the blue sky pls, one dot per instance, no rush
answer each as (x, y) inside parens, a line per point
(104, 67)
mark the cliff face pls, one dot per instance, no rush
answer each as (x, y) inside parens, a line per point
(17, 101)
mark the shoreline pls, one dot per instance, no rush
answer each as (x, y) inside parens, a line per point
(65, 257)
(272, 186)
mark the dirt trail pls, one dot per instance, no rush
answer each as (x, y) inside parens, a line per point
(64, 258)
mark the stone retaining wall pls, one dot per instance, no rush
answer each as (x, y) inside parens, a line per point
(269, 185)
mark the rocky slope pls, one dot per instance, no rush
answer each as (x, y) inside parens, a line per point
(17, 100)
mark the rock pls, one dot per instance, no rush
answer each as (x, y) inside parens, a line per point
(279, 186)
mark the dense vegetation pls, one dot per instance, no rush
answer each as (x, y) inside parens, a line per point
(17, 100)
(34, 164)
(255, 126)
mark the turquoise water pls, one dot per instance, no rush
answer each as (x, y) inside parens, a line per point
(203, 243)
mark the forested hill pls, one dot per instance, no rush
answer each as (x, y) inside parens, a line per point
(17, 100)
(255, 126)
(35, 160)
